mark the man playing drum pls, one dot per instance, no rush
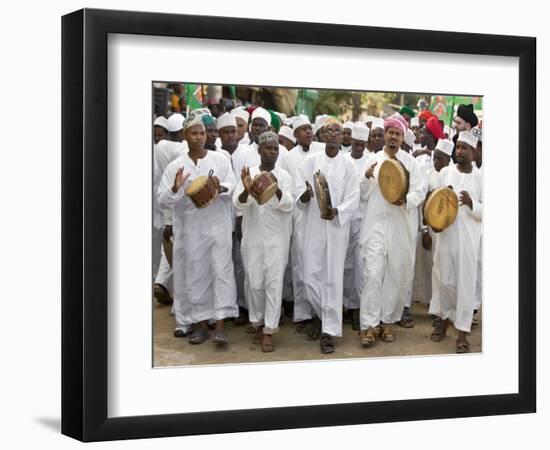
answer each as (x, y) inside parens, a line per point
(204, 284)
(266, 237)
(456, 252)
(324, 241)
(388, 238)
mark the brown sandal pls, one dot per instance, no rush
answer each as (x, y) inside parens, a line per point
(462, 346)
(440, 331)
(387, 334)
(267, 347)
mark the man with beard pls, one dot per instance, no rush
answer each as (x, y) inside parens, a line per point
(204, 285)
(388, 238)
(430, 133)
(290, 162)
(464, 120)
(325, 240)
(354, 270)
(376, 136)
(266, 239)
(456, 251)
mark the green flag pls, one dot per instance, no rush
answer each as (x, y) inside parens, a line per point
(193, 96)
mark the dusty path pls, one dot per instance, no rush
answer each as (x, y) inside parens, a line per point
(291, 345)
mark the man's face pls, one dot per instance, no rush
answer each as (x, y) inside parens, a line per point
(286, 142)
(346, 136)
(304, 135)
(333, 134)
(464, 153)
(258, 126)
(159, 134)
(269, 152)
(393, 138)
(211, 134)
(358, 147)
(376, 139)
(242, 125)
(178, 136)
(440, 160)
(426, 138)
(195, 136)
(459, 124)
(228, 136)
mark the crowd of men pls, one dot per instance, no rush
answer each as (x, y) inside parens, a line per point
(364, 261)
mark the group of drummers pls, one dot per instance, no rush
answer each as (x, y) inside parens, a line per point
(336, 221)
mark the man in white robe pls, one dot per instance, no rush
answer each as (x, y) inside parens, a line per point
(354, 270)
(388, 239)
(266, 240)
(454, 271)
(478, 160)
(376, 135)
(324, 242)
(422, 284)
(204, 284)
(164, 152)
(290, 162)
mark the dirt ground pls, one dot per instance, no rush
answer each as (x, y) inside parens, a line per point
(291, 345)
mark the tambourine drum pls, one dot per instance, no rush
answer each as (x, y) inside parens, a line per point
(202, 191)
(322, 194)
(264, 186)
(393, 180)
(440, 208)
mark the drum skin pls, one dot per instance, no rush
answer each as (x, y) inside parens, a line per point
(322, 194)
(441, 208)
(393, 180)
(263, 188)
(202, 191)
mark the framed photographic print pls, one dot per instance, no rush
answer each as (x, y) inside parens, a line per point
(129, 368)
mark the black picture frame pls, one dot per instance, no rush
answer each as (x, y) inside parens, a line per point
(84, 224)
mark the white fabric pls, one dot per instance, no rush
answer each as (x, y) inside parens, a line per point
(226, 120)
(360, 131)
(262, 114)
(264, 250)
(354, 269)
(324, 242)
(223, 152)
(161, 121)
(175, 122)
(204, 283)
(164, 274)
(240, 112)
(345, 149)
(409, 137)
(468, 138)
(455, 257)
(445, 145)
(415, 122)
(377, 123)
(289, 162)
(288, 133)
(300, 121)
(388, 241)
(320, 121)
(348, 125)
(164, 152)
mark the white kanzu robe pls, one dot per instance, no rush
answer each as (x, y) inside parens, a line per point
(264, 250)
(324, 242)
(354, 268)
(290, 162)
(388, 241)
(454, 272)
(204, 283)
